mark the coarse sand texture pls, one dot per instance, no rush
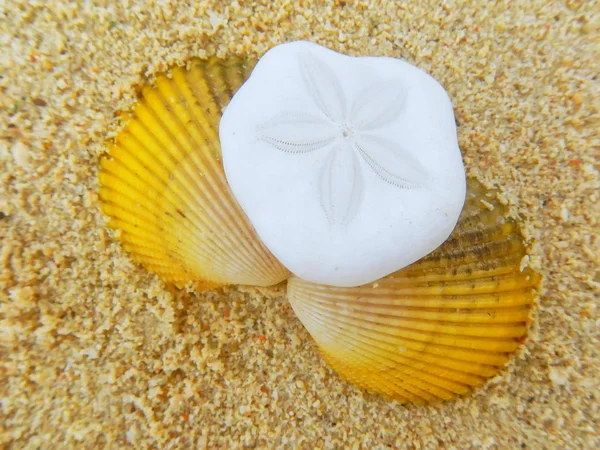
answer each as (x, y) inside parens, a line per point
(97, 352)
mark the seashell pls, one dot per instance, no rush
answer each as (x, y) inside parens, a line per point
(433, 330)
(333, 141)
(164, 188)
(439, 327)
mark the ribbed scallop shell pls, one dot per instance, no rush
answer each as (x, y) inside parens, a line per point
(439, 327)
(163, 185)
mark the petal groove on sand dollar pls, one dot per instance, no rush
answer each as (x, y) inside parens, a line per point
(163, 184)
(437, 328)
(348, 168)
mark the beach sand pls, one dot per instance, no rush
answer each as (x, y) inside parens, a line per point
(97, 353)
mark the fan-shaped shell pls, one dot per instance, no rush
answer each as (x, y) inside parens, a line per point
(439, 327)
(163, 184)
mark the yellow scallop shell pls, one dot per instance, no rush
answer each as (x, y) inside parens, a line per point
(164, 188)
(437, 328)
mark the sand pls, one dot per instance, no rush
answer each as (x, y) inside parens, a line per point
(97, 353)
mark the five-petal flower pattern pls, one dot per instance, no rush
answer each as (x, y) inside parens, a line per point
(349, 132)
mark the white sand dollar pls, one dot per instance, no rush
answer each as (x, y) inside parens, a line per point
(348, 167)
